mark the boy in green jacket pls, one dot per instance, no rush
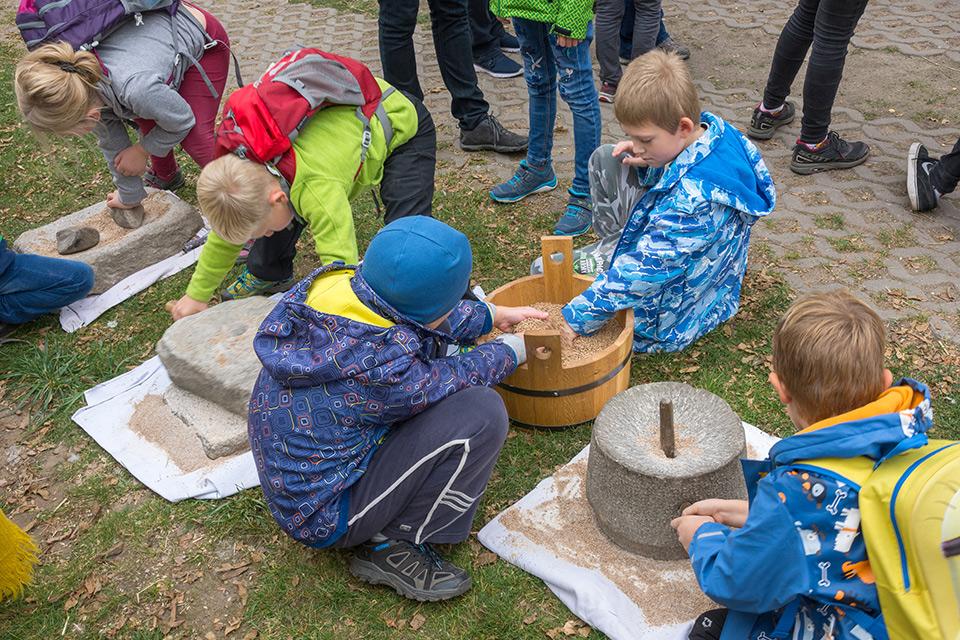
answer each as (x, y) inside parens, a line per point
(555, 40)
(244, 201)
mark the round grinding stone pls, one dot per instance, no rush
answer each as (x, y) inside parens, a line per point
(635, 489)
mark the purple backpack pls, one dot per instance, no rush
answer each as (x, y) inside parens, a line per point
(82, 23)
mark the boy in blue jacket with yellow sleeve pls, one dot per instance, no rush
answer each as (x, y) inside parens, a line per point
(794, 564)
(364, 432)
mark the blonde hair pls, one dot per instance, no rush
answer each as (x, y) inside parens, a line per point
(56, 87)
(828, 352)
(657, 88)
(234, 195)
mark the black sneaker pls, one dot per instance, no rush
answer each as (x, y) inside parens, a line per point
(415, 571)
(672, 46)
(763, 125)
(833, 153)
(923, 196)
(172, 184)
(490, 135)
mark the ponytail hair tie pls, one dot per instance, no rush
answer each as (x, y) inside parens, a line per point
(67, 66)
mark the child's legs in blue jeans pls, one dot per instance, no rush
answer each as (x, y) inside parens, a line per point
(580, 93)
(34, 285)
(540, 72)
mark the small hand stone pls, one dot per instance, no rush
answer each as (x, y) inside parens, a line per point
(76, 239)
(128, 218)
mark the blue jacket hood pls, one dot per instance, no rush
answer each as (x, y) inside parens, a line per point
(875, 436)
(721, 164)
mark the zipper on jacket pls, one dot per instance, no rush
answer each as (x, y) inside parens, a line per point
(893, 513)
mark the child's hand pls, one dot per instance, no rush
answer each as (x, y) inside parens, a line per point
(187, 306)
(564, 41)
(625, 148)
(132, 161)
(507, 317)
(686, 527)
(732, 513)
(113, 201)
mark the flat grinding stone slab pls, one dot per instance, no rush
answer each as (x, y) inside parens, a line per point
(221, 432)
(167, 224)
(211, 355)
(635, 490)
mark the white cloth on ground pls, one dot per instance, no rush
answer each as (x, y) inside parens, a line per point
(106, 418)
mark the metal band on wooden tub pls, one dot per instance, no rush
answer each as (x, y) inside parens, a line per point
(560, 393)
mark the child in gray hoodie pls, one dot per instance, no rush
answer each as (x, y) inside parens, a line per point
(170, 89)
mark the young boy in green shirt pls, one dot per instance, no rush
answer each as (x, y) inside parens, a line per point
(243, 200)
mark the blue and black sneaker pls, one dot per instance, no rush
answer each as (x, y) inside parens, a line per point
(509, 42)
(577, 218)
(415, 571)
(525, 182)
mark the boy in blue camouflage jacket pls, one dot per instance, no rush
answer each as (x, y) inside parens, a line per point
(673, 207)
(364, 432)
(793, 564)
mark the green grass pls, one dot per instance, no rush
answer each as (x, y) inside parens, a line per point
(832, 221)
(292, 591)
(849, 244)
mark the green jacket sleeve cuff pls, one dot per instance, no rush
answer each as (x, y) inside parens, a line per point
(216, 259)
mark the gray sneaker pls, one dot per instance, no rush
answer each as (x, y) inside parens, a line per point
(415, 571)
(672, 46)
(490, 135)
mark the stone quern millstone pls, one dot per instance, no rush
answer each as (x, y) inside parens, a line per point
(221, 432)
(211, 355)
(128, 218)
(76, 239)
(635, 490)
(168, 223)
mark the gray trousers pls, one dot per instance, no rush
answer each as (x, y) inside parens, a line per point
(425, 481)
(615, 189)
(609, 15)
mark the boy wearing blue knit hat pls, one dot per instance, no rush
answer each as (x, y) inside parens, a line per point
(365, 434)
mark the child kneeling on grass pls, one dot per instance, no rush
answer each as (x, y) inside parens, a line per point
(365, 433)
(786, 564)
(673, 207)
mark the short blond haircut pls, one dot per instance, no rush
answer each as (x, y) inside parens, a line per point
(234, 195)
(828, 352)
(56, 87)
(656, 88)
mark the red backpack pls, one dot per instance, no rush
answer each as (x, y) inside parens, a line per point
(260, 121)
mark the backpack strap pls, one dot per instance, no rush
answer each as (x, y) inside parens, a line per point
(384, 119)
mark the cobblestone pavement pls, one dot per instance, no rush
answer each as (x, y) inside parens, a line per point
(843, 228)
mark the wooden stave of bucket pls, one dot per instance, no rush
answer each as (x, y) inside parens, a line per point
(542, 392)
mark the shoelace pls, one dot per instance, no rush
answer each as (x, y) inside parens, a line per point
(429, 551)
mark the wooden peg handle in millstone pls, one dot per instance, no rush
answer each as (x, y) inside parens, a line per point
(668, 440)
(128, 218)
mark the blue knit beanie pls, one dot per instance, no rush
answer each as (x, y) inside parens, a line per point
(419, 265)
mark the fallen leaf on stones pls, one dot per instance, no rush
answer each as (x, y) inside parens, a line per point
(530, 619)
(241, 593)
(417, 621)
(692, 369)
(71, 602)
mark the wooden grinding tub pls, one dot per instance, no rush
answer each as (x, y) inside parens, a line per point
(543, 392)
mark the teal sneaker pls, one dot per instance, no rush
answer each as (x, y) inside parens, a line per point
(577, 218)
(525, 182)
(247, 285)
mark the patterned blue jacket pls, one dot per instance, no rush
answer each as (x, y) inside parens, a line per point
(798, 568)
(683, 252)
(333, 384)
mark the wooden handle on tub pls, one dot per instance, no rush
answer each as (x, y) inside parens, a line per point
(557, 274)
(543, 354)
